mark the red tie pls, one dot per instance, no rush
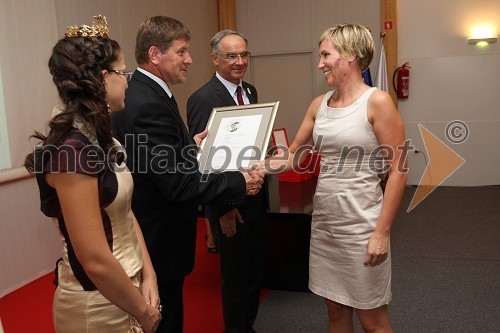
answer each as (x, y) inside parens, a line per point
(239, 95)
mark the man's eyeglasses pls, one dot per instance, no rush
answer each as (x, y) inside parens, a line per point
(233, 56)
(127, 74)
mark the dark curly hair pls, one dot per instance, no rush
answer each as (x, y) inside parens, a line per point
(76, 66)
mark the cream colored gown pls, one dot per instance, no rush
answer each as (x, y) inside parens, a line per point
(346, 207)
(78, 306)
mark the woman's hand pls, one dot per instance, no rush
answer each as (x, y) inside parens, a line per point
(377, 248)
(149, 290)
(150, 319)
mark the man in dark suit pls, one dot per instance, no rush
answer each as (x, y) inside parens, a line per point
(240, 232)
(162, 158)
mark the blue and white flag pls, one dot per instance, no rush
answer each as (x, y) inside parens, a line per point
(367, 77)
(381, 78)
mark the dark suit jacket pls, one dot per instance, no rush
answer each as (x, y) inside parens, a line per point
(167, 185)
(199, 107)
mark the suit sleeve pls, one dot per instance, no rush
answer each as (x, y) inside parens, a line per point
(199, 109)
(170, 161)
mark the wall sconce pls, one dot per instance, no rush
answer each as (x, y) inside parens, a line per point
(482, 41)
(482, 35)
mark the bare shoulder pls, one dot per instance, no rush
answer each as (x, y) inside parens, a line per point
(380, 105)
(314, 106)
(319, 99)
(380, 99)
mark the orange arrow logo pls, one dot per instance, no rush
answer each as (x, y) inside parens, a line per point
(443, 162)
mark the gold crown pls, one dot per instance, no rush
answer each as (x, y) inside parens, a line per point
(99, 29)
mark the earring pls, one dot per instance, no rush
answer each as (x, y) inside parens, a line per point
(109, 109)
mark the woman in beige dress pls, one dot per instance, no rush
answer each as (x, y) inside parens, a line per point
(105, 279)
(351, 126)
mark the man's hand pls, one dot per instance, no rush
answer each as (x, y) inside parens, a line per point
(254, 180)
(228, 222)
(200, 136)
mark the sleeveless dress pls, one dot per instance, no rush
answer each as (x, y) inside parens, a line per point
(78, 305)
(346, 208)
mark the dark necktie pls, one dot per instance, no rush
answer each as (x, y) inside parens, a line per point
(239, 95)
(175, 102)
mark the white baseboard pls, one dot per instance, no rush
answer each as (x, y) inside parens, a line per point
(23, 283)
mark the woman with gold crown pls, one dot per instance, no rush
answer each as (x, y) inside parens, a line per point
(105, 279)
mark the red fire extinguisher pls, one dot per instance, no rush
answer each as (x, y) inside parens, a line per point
(402, 88)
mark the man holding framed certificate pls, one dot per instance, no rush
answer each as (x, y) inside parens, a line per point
(167, 184)
(240, 232)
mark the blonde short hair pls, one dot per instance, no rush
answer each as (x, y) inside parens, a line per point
(351, 40)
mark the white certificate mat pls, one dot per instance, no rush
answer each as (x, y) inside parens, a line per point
(237, 137)
(235, 133)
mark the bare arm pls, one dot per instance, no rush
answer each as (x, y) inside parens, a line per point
(84, 223)
(297, 152)
(149, 285)
(389, 130)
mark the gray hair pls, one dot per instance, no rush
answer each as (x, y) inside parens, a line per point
(214, 43)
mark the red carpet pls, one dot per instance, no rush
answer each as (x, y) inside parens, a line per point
(202, 294)
(29, 309)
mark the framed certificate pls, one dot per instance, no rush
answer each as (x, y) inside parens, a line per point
(237, 137)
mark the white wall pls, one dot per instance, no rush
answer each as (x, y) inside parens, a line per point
(29, 244)
(452, 80)
(283, 38)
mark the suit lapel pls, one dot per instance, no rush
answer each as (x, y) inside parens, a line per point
(163, 94)
(251, 94)
(226, 97)
(158, 89)
(221, 92)
(151, 83)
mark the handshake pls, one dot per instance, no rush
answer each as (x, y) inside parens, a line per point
(254, 178)
(254, 175)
